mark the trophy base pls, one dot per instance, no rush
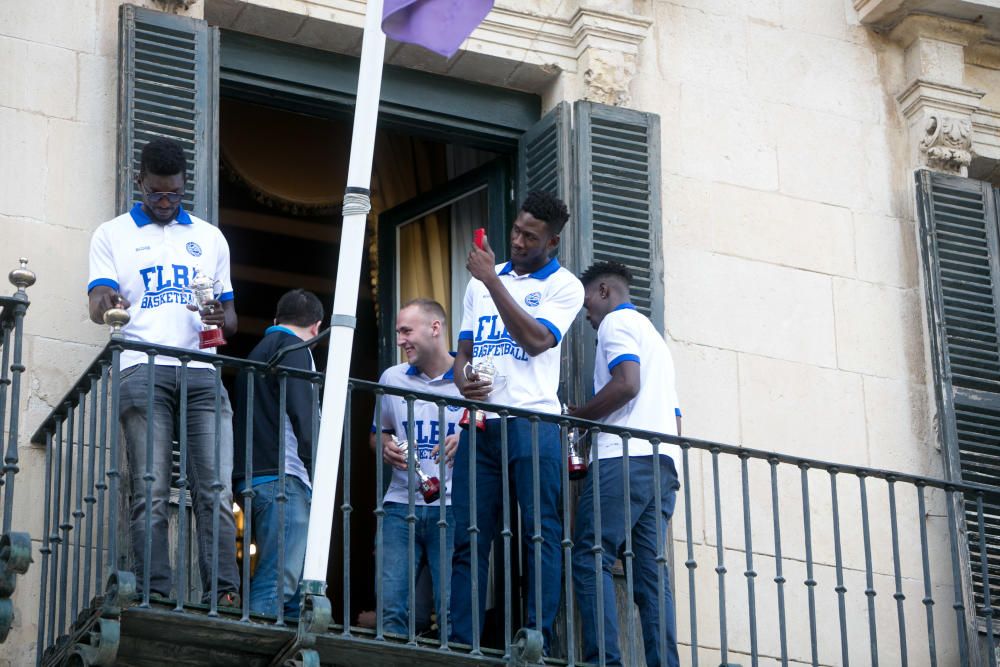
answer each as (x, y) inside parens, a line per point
(480, 420)
(210, 338)
(430, 489)
(577, 468)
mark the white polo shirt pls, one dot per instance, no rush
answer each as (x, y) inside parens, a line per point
(428, 432)
(553, 296)
(152, 266)
(626, 334)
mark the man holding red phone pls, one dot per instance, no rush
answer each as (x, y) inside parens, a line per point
(514, 318)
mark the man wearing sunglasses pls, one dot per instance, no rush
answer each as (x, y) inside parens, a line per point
(144, 261)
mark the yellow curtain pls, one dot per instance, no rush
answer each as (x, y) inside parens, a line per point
(406, 168)
(424, 261)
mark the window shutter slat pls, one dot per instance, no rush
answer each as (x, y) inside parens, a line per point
(618, 196)
(960, 247)
(544, 163)
(168, 87)
(543, 159)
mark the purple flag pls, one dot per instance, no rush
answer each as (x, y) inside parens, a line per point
(438, 25)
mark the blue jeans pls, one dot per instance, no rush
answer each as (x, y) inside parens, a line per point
(644, 521)
(202, 474)
(266, 533)
(427, 553)
(489, 501)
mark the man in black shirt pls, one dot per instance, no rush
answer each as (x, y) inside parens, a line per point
(276, 578)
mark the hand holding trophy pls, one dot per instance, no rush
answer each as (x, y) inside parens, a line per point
(430, 487)
(484, 369)
(204, 294)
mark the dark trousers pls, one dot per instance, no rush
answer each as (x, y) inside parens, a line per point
(205, 477)
(643, 528)
(489, 499)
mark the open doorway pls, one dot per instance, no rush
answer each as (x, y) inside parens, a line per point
(282, 180)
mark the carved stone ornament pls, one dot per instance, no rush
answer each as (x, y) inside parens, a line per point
(606, 81)
(947, 143)
(175, 5)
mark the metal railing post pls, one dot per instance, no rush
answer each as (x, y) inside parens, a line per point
(750, 573)
(869, 573)
(182, 577)
(839, 565)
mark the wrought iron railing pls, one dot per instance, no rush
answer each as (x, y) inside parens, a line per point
(828, 574)
(15, 547)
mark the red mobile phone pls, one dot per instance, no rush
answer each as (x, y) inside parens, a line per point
(477, 237)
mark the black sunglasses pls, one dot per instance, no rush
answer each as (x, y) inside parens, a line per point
(157, 197)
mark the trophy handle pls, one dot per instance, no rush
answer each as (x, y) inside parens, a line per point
(465, 369)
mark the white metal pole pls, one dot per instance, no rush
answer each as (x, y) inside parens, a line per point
(345, 303)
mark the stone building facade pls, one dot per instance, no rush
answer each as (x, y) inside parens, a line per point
(793, 298)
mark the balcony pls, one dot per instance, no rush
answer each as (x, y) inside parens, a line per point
(773, 559)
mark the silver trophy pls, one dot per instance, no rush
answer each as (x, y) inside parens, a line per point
(485, 369)
(203, 290)
(430, 487)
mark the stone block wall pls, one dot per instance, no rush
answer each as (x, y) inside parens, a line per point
(793, 303)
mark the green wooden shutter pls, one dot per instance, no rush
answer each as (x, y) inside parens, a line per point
(618, 196)
(543, 159)
(608, 172)
(168, 87)
(544, 163)
(959, 243)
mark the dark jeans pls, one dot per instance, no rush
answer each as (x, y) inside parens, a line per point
(489, 501)
(427, 553)
(643, 527)
(267, 529)
(155, 459)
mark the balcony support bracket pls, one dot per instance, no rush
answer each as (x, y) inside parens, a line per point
(15, 557)
(317, 614)
(526, 649)
(95, 643)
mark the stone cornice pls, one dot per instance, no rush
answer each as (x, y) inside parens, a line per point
(945, 29)
(941, 96)
(885, 15)
(537, 47)
(559, 41)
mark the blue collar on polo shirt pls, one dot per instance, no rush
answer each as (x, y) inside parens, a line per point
(278, 327)
(624, 306)
(448, 374)
(141, 219)
(540, 274)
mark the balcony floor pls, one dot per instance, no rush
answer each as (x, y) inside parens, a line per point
(158, 635)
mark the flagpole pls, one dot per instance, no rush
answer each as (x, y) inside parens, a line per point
(357, 204)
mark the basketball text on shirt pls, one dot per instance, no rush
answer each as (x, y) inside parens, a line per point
(496, 343)
(427, 434)
(159, 289)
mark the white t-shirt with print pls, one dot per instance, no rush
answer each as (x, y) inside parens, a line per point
(428, 432)
(626, 334)
(553, 296)
(152, 266)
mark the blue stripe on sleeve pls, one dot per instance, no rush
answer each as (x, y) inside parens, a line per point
(226, 296)
(465, 335)
(107, 282)
(551, 327)
(619, 359)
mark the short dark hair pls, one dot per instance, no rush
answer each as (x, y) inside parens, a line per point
(430, 307)
(602, 269)
(163, 157)
(548, 208)
(299, 307)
